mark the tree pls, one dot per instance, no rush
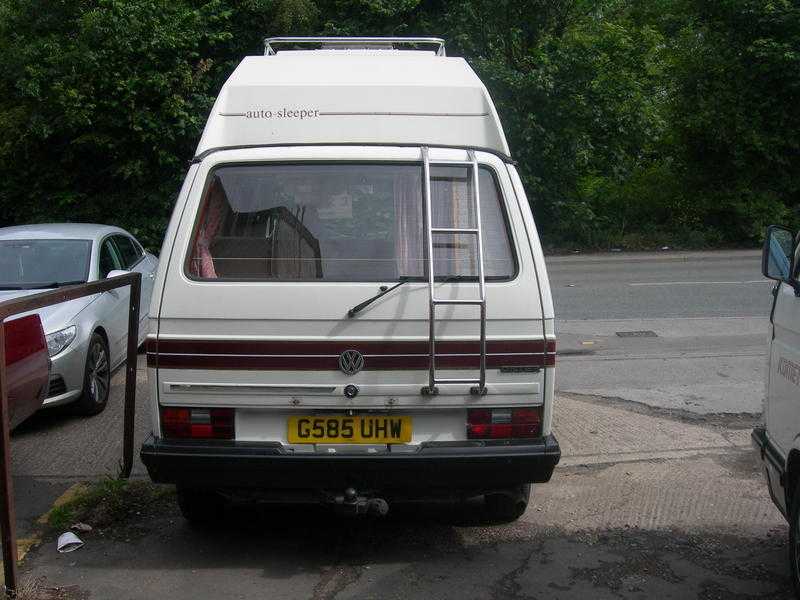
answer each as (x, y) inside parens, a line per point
(634, 122)
(100, 103)
(736, 70)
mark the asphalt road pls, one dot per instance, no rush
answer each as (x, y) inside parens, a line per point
(658, 286)
(685, 332)
(657, 494)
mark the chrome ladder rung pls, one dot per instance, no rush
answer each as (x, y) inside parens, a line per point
(437, 301)
(455, 230)
(455, 381)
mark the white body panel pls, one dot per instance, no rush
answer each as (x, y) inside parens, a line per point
(316, 311)
(353, 97)
(782, 411)
(268, 333)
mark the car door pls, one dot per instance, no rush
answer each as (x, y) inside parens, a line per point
(113, 305)
(134, 259)
(782, 409)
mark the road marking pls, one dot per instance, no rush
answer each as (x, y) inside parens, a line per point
(69, 494)
(661, 283)
(24, 545)
(578, 355)
(712, 318)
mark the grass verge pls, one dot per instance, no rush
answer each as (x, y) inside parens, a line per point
(112, 506)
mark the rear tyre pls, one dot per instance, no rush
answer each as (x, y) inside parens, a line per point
(794, 539)
(200, 507)
(507, 506)
(96, 378)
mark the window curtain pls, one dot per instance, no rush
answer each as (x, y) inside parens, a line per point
(203, 262)
(408, 235)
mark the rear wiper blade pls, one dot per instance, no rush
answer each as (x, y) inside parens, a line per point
(384, 290)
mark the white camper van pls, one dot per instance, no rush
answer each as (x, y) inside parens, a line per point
(352, 305)
(778, 441)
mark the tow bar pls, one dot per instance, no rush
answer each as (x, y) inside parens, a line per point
(350, 503)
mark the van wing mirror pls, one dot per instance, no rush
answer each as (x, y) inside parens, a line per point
(777, 259)
(116, 273)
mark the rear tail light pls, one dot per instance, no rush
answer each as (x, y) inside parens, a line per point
(503, 423)
(197, 423)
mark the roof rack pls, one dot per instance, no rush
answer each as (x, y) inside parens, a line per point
(354, 42)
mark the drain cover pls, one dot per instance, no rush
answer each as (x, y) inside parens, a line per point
(647, 333)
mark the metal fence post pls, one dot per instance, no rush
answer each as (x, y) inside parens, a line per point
(130, 376)
(8, 525)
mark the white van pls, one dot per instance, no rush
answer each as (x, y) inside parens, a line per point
(352, 305)
(778, 441)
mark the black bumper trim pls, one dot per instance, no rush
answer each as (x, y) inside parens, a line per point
(769, 454)
(269, 466)
(767, 450)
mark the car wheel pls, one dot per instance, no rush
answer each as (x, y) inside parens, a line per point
(96, 378)
(201, 507)
(507, 506)
(794, 539)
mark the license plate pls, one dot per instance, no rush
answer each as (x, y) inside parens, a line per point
(363, 429)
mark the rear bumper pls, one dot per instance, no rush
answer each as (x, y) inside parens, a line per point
(462, 466)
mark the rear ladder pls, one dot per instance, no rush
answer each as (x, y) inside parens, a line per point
(479, 383)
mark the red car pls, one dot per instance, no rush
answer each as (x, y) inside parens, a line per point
(27, 367)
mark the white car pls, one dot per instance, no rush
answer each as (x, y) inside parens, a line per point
(778, 441)
(353, 305)
(86, 337)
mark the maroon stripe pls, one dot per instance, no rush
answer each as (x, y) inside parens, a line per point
(316, 348)
(310, 355)
(323, 363)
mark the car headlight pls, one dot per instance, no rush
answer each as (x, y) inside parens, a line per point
(58, 340)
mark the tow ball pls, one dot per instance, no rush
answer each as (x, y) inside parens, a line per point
(351, 503)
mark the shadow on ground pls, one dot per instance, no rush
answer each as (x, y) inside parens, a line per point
(418, 551)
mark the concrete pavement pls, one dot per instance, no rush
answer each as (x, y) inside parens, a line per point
(643, 505)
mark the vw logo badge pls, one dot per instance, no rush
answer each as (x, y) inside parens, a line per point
(351, 362)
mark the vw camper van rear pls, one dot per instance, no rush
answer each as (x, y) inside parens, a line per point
(352, 305)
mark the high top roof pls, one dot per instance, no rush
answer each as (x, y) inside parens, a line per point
(368, 96)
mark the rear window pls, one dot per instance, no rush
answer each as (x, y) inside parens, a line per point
(344, 222)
